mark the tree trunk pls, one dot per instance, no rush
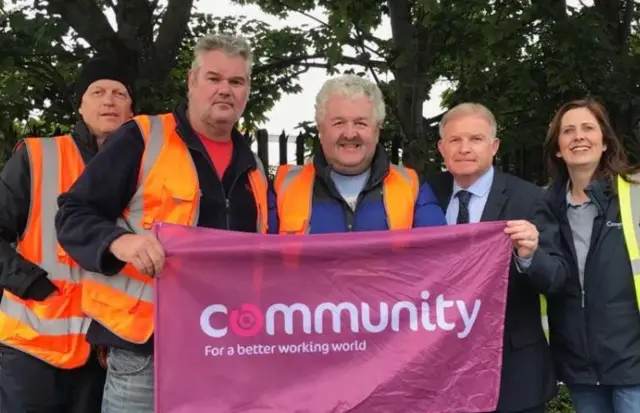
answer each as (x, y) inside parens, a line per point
(409, 84)
(618, 15)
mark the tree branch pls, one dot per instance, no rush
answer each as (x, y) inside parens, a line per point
(135, 27)
(278, 64)
(47, 71)
(428, 121)
(625, 27)
(386, 96)
(87, 19)
(170, 35)
(378, 42)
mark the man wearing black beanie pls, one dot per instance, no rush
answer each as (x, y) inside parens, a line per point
(46, 362)
(104, 96)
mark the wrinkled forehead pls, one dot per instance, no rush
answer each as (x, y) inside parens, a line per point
(468, 126)
(348, 106)
(222, 64)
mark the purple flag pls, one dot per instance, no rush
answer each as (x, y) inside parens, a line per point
(390, 322)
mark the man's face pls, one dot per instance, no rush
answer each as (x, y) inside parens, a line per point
(105, 106)
(348, 133)
(219, 88)
(468, 147)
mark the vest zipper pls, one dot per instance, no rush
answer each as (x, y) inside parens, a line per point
(227, 203)
(351, 213)
(596, 233)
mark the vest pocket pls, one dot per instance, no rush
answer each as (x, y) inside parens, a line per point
(178, 204)
(293, 224)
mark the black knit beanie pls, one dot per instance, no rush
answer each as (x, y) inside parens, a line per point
(98, 69)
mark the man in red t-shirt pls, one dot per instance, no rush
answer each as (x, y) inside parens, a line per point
(225, 166)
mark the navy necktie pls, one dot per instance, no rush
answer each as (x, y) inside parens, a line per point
(463, 210)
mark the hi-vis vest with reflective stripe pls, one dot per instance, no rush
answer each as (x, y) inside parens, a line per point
(629, 201)
(294, 191)
(168, 191)
(52, 330)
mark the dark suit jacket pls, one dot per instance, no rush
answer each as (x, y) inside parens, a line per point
(527, 371)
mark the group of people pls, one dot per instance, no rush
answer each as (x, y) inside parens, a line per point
(77, 257)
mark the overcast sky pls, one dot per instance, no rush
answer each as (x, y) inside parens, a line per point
(292, 109)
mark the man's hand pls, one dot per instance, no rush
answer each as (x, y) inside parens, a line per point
(524, 236)
(144, 252)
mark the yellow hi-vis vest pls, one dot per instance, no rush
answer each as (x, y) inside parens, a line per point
(629, 200)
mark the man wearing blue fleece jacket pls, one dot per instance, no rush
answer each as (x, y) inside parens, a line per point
(351, 184)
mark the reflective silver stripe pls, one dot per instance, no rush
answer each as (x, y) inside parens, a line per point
(545, 324)
(260, 166)
(121, 282)
(151, 153)
(293, 172)
(405, 174)
(263, 176)
(54, 327)
(634, 195)
(49, 196)
(635, 213)
(629, 196)
(125, 284)
(50, 185)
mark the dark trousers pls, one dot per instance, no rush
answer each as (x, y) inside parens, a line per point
(29, 385)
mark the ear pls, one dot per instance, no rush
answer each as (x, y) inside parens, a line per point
(495, 145)
(440, 147)
(192, 78)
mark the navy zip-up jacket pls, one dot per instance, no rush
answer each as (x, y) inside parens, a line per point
(331, 213)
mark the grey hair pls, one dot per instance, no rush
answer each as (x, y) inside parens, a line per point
(469, 109)
(351, 86)
(229, 44)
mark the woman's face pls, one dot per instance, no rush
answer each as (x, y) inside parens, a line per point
(580, 143)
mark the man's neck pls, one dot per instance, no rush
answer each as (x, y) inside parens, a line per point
(465, 181)
(215, 133)
(350, 173)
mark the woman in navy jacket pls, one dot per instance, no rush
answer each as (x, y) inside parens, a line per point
(594, 319)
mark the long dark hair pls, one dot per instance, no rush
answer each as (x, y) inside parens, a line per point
(614, 161)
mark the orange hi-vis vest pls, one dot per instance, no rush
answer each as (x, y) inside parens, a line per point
(53, 330)
(168, 191)
(294, 191)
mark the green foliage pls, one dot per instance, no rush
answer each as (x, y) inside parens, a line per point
(521, 59)
(561, 403)
(42, 55)
(271, 78)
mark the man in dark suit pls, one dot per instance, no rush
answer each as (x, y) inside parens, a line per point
(473, 191)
